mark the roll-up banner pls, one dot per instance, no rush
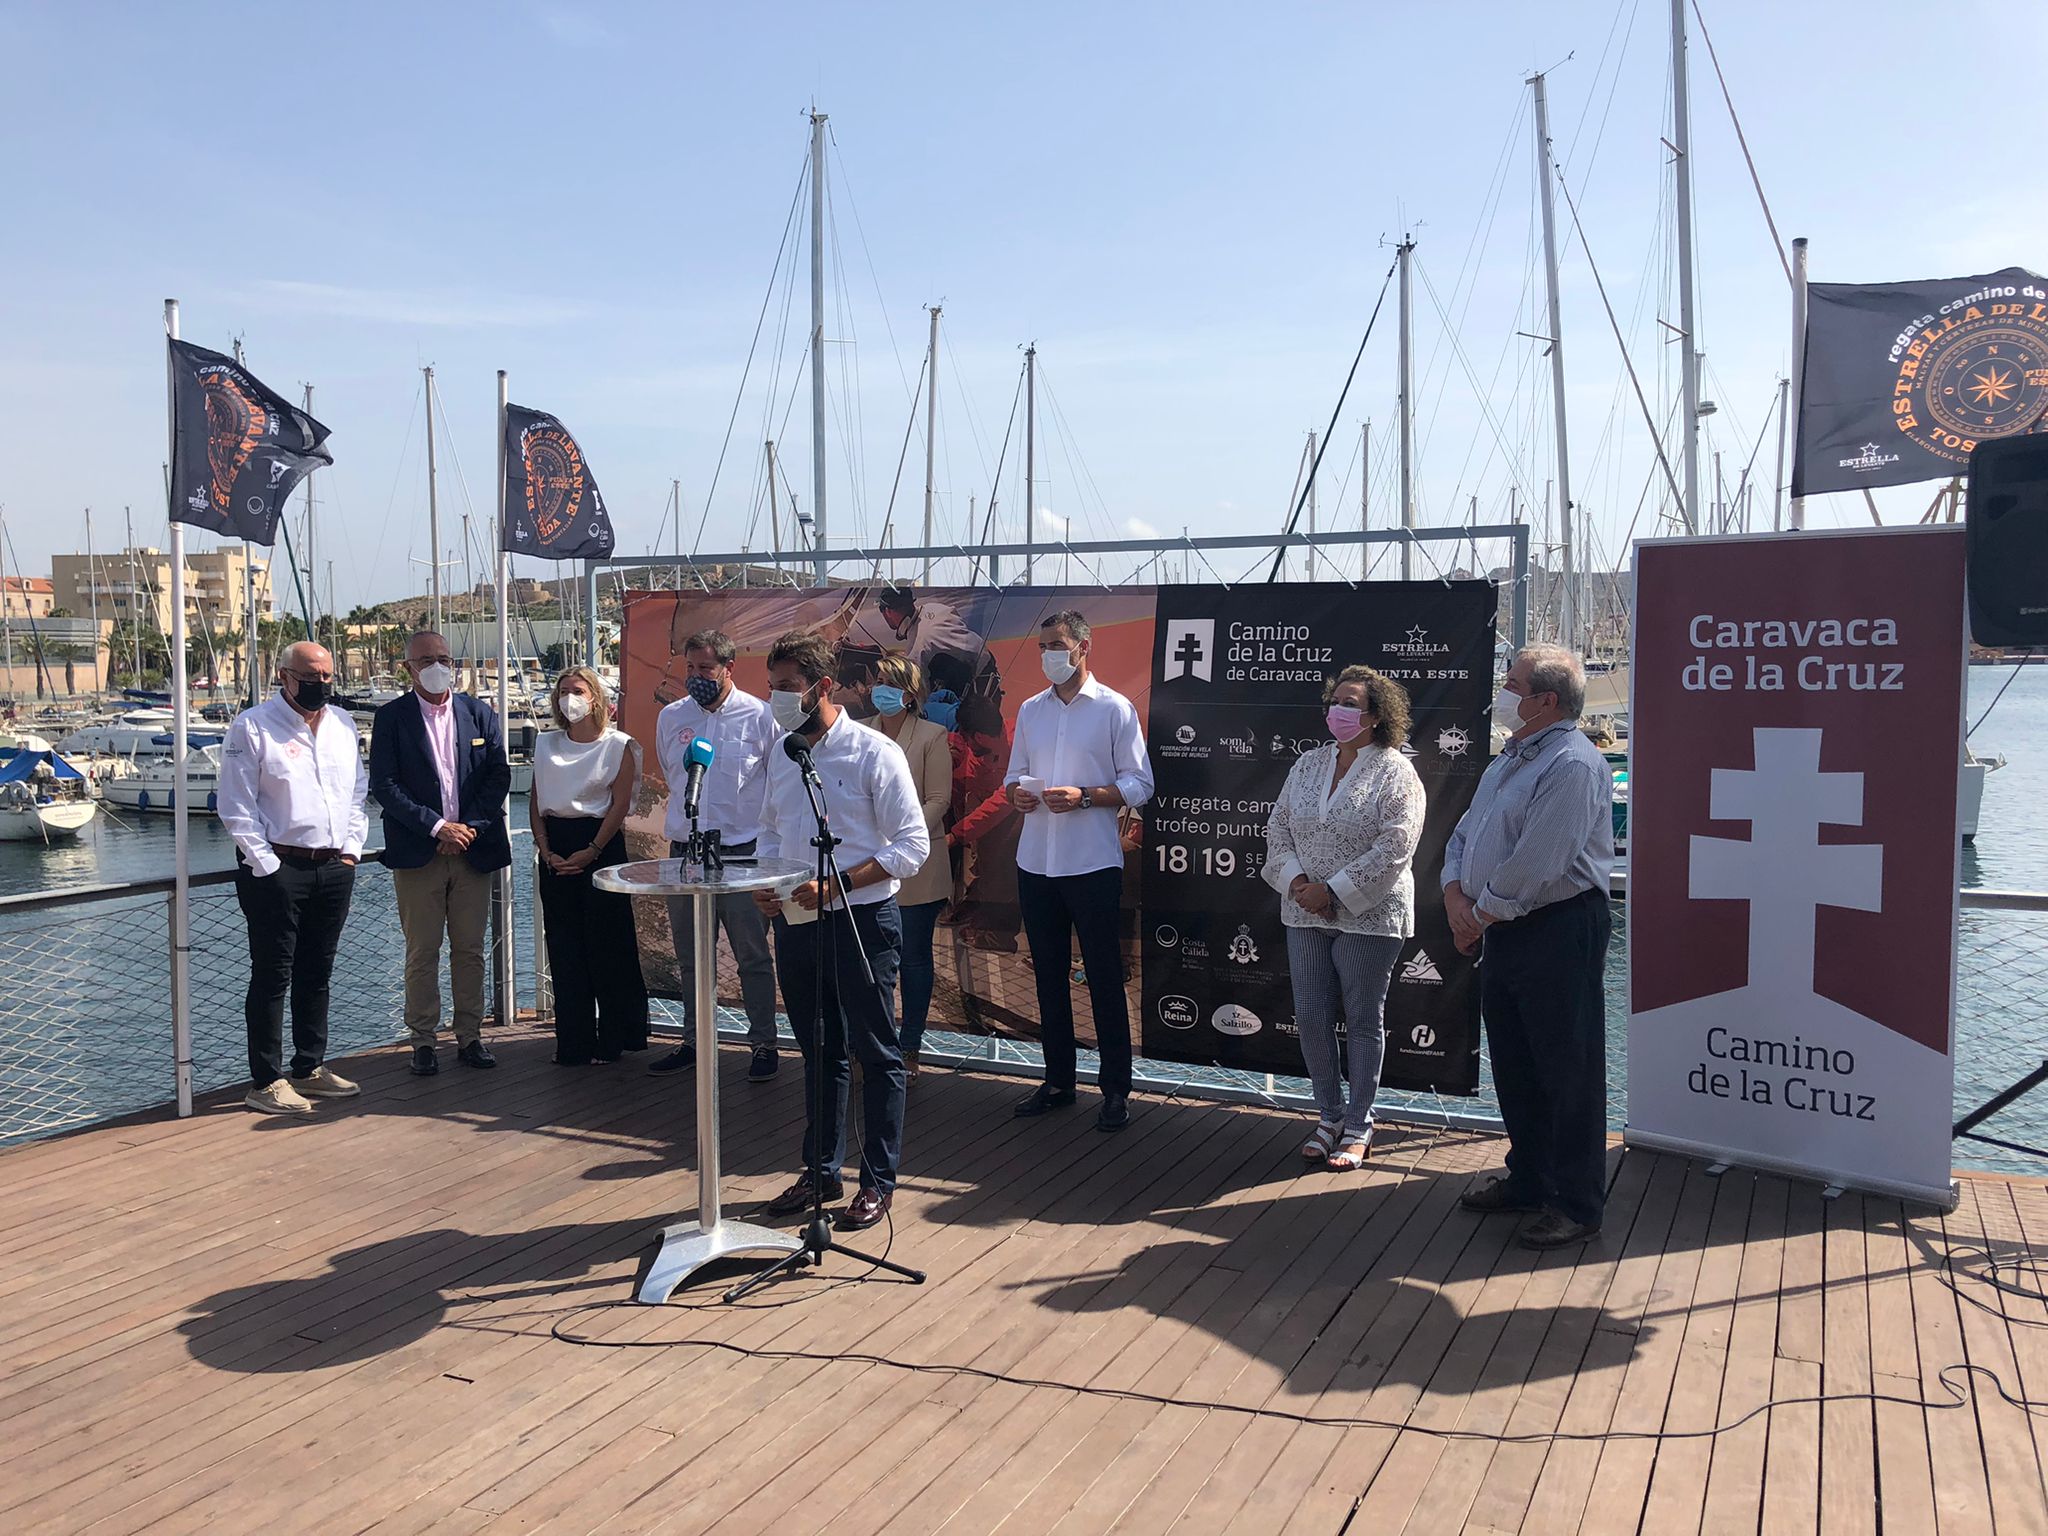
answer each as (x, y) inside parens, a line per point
(978, 648)
(1237, 696)
(1796, 743)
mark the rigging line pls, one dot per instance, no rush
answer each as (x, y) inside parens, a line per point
(397, 474)
(1627, 361)
(996, 482)
(1070, 450)
(853, 207)
(851, 418)
(788, 224)
(1458, 352)
(909, 431)
(1280, 554)
(1742, 139)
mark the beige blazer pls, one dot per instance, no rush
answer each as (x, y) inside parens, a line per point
(931, 769)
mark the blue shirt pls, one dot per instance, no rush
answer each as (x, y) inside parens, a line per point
(1540, 827)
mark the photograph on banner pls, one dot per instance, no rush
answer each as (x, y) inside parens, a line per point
(977, 648)
(1796, 741)
(1236, 699)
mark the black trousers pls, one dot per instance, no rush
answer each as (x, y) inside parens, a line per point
(295, 918)
(851, 1013)
(593, 951)
(1055, 906)
(1542, 993)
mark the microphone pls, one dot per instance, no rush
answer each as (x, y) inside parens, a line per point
(699, 758)
(798, 751)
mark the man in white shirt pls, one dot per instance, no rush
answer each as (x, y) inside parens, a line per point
(865, 783)
(1078, 756)
(292, 785)
(740, 732)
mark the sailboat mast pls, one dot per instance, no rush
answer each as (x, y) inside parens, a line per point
(312, 565)
(1778, 491)
(1404, 252)
(1689, 353)
(92, 587)
(134, 591)
(1308, 559)
(821, 567)
(1030, 456)
(1364, 496)
(248, 598)
(1568, 602)
(931, 437)
(433, 510)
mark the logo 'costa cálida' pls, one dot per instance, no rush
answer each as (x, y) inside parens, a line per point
(554, 480)
(1978, 371)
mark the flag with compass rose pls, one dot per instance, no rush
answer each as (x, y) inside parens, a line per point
(1902, 380)
(552, 505)
(237, 446)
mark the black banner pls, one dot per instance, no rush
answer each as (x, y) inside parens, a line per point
(237, 446)
(552, 506)
(1237, 696)
(1902, 380)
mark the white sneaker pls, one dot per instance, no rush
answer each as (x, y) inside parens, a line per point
(280, 1098)
(323, 1084)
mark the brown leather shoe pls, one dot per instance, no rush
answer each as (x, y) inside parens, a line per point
(796, 1199)
(868, 1207)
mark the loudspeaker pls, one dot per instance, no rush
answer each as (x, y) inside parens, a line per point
(2007, 539)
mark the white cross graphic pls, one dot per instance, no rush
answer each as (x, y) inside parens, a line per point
(1783, 871)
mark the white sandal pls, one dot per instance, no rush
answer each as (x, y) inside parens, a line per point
(1318, 1147)
(1351, 1153)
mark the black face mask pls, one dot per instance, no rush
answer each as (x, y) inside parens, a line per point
(310, 694)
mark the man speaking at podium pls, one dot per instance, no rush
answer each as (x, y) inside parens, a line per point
(865, 785)
(737, 727)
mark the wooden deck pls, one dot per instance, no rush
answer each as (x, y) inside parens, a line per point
(233, 1323)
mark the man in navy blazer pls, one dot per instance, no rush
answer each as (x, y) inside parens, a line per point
(438, 769)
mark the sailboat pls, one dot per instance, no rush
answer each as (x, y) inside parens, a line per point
(42, 796)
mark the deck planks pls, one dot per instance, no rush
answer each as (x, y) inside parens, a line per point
(226, 1324)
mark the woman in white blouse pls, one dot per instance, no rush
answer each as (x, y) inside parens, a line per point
(583, 778)
(898, 692)
(1337, 849)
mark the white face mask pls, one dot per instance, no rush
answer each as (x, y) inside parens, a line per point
(788, 709)
(1507, 711)
(575, 707)
(1059, 666)
(436, 678)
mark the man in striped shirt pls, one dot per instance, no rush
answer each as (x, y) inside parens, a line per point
(1525, 885)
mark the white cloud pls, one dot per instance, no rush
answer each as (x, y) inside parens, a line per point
(575, 29)
(1051, 524)
(1138, 528)
(396, 307)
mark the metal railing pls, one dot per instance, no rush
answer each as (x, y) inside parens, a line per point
(85, 1032)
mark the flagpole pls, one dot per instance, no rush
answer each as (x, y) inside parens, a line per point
(502, 972)
(181, 885)
(1797, 518)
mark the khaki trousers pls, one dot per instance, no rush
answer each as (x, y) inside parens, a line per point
(443, 896)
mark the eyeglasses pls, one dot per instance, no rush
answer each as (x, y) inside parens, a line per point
(433, 661)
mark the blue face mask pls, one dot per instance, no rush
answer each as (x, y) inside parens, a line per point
(943, 709)
(704, 690)
(888, 700)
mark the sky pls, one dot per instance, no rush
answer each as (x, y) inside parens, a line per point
(1189, 208)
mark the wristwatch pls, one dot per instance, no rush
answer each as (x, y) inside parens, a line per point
(1087, 798)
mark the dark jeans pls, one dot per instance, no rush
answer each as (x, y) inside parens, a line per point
(854, 1010)
(1541, 992)
(295, 917)
(919, 973)
(593, 951)
(1054, 907)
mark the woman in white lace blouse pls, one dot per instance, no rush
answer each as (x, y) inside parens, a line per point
(1338, 846)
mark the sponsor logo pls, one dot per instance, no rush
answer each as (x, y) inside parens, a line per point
(1415, 646)
(1178, 1012)
(555, 480)
(1867, 458)
(1453, 741)
(1185, 735)
(1238, 746)
(1421, 971)
(1978, 369)
(1190, 649)
(1233, 1019)
(1167, 935)
(1242, 949)
(1423, 1036)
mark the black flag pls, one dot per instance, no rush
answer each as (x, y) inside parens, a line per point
(238, 447)
(552, 505)
(1902, 380)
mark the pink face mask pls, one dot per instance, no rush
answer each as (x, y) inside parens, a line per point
(1345, 723)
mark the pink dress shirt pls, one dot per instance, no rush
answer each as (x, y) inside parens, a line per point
(440, 722)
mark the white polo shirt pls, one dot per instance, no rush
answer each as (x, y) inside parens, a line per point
(740, 731)
(281, 781)
(870, 796)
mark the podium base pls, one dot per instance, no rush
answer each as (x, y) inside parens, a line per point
(687, 1247)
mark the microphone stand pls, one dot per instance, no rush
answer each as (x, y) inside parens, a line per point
(817, 1237)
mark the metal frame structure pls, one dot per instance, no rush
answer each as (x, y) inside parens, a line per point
(821, 561)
